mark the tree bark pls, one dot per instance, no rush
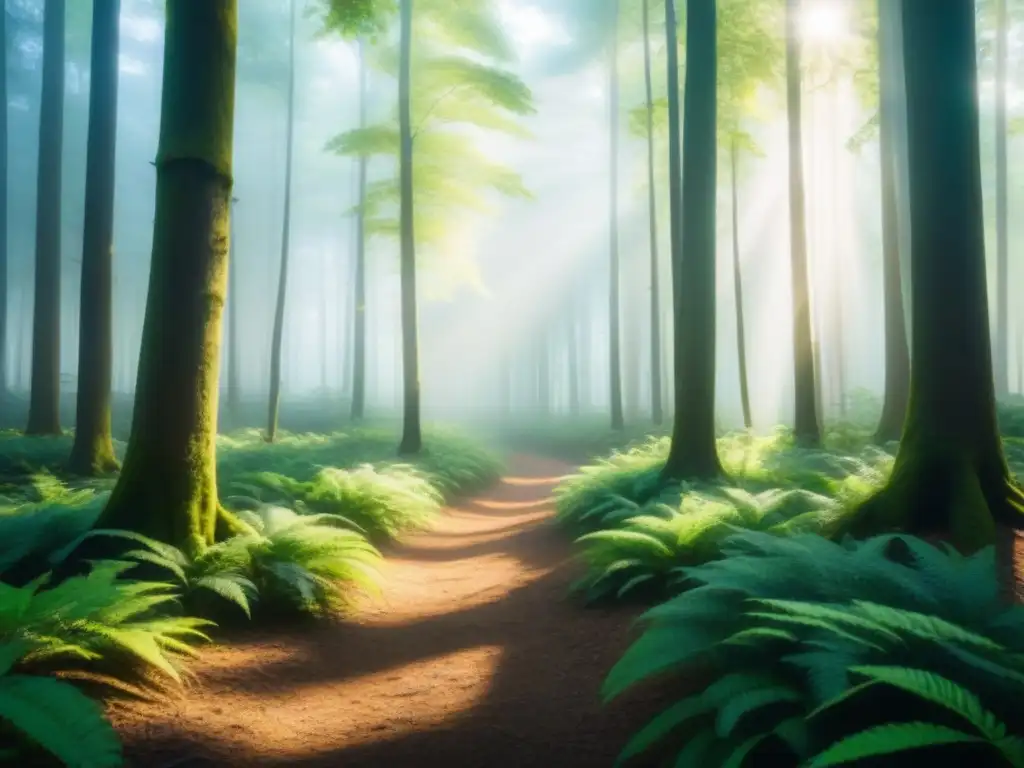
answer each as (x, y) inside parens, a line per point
(897, 351)
(44, 400)
(675, 185)
(5, 384)
(572, 354)
(1002, 336)
(806, 428)
(412, 436)
(694, 453)
(657, 411)
(950, 474)
(359, 303)
(234, 353)
(737, 281)
(277, 339)
(168, 485)
(93, 449)
(614, 286)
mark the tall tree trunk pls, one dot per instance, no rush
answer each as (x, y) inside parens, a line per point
(21, 334)
(586, 349)
(234, 353)
(950, 473)
(93, 449)
(897, 351)
(737, 282)
(277, 339)
(675, 175)
(359, 303)
(806, 425)
(412, 437)
(694, 452)
(168, 485)
(324, 269)
(44, 401)
(1002, 337)
(4, 286)
(614, 337)
(657, 412)
(572, 354)
(543, 359)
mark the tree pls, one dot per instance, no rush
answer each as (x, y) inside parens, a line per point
(412, 437)
(656, 410)
(44, 400)
(168, 484)
(1002, 335)
(950, 474)
(693, 452)
(93, 449)
(4, 333)
(359, 296)
(614, 332)
(286, 229)
(445, 88)
(897, 351)
(234, 352)
(806, 426)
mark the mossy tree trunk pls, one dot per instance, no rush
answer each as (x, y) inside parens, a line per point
(44, 400)
(234, 352)
(950, 474)
(412, 435)
(93, 449)
(168, 484)
(359, 300)
(657, 411)
(277, 339)
(737, 282)
(694, 452)
(614, 284)
(897, 351)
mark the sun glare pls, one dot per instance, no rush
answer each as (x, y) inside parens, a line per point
(823, 21)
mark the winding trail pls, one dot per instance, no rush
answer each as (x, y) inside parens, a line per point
(473, 656)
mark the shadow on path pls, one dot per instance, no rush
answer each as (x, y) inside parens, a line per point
(473, 657)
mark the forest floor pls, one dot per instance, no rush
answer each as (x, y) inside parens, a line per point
(473, 655)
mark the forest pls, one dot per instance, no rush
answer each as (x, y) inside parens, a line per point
(511, 382)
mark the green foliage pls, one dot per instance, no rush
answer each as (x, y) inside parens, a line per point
(833, 652)
(461, 85)
(305, 563)
(55, 717)
(639, 530)
(220, 571)
(100, 621)
(357, 18)
(382, 502)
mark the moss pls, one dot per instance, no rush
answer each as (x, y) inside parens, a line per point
(168, 486)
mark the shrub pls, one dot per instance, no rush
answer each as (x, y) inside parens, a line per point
(828, 652)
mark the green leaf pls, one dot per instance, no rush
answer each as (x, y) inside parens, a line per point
(939, 690)
(888, 740)
(746, 702)
(662, 725)
(60, 719)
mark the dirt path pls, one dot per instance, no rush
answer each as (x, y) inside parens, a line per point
(472, 657)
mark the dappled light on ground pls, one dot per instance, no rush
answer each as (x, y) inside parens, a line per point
(473, 655)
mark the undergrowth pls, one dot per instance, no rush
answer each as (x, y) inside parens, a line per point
(635, 531)
(799, 651)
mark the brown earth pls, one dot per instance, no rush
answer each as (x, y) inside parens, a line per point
(473, 656)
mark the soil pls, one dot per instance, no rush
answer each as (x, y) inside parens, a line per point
(474, 655)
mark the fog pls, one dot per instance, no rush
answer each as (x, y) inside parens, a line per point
(507, 279)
